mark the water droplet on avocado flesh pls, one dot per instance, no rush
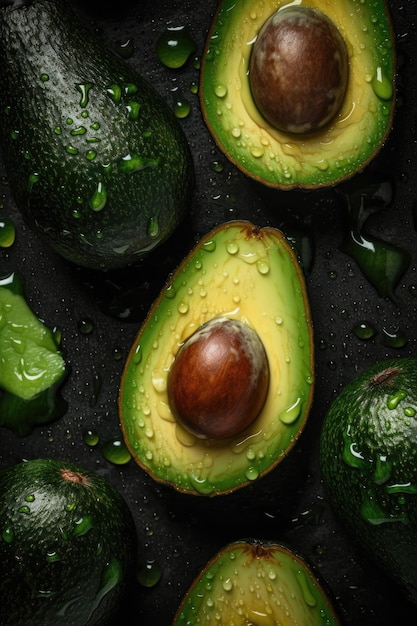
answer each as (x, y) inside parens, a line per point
(368, 463)
(283, 159)
(225, 263)
(263, 583)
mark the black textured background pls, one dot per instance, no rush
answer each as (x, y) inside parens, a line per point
(181, 533)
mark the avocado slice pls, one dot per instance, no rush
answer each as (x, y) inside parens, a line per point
(257, 582)
(368, 461)
(282, 159)
(246, 274)
(68, 545)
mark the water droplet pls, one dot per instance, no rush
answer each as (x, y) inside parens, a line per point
(153, 227)
(115, 93)
(84, 89)
(364, 330)
(149, 574)
(381, 85)
(252, 473)
(85, 326)
(220, 91)
(125, 49)
(99, 198)
(7, 232)
(395, 338)
(136, 163)
(394, 399)
(183, 307)
(174, 47)
(8, 535)
(291, 414)
(263, 267)
(91, 437)
(115, 451)
(232, 247)
(133, 109)
(83, 525)
(182, 109)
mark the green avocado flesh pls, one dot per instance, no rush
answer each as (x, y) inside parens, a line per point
(30, 361)
(284, 160)
(67, 545)
(249, 582)
(243, 272)
(96, 161)
(368, 461)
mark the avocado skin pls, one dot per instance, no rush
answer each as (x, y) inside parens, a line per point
(52, 573)
(64, 97)
(368, 460)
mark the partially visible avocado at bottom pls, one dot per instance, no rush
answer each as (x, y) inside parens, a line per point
(368, 460)
(68, 545)
(218, 383)
(257, 583)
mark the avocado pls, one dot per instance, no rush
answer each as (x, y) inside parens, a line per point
(68, 544)
(257, 582)
(299, 96)
(32, 367)
(239, 299)
(368, 460)
(96, 160)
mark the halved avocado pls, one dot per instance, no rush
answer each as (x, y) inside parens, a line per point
(240, 273)
(314, 159)
(254, 582)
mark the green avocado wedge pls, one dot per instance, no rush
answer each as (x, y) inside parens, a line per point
(32, 367)
(368, 460)
(68, 545)
(242, 273)
(257, 582)
(97, 162)
(285, 160)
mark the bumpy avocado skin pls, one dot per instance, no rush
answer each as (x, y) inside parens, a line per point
(96, 160)
(368, 461)
(262, 582)
(68, 545)
(243, 272)
(279, 159)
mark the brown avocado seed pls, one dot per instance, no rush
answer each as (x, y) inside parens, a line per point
(299, 70)
(219, 380)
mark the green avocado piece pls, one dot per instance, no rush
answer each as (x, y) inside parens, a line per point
(368, 459)
(254, 582)
(240, 272)
(30, 361)
(286, 160)
(97, 162)
(67, 545)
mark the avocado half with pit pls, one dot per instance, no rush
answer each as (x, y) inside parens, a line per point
(219, 381)
(257, 582)
(299, 94)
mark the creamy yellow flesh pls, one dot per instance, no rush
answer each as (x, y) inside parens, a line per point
(285, 160)
(253, 279)
(243, 588)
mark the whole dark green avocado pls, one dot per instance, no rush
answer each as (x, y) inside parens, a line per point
(368, 461)
(68, 545)
(96, 161)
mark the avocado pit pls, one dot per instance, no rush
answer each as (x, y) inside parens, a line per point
(219, 380)
(299, 70)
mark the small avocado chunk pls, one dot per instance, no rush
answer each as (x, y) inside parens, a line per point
(219, 380)
(238, 299)
(299, 96)
(254, 582)
(368, 460)
(68, 545)
(96, 160)
(299, 70)
(32, 367)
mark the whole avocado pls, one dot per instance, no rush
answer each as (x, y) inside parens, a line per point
(368, 459)
(67, 545)
(96, 161)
